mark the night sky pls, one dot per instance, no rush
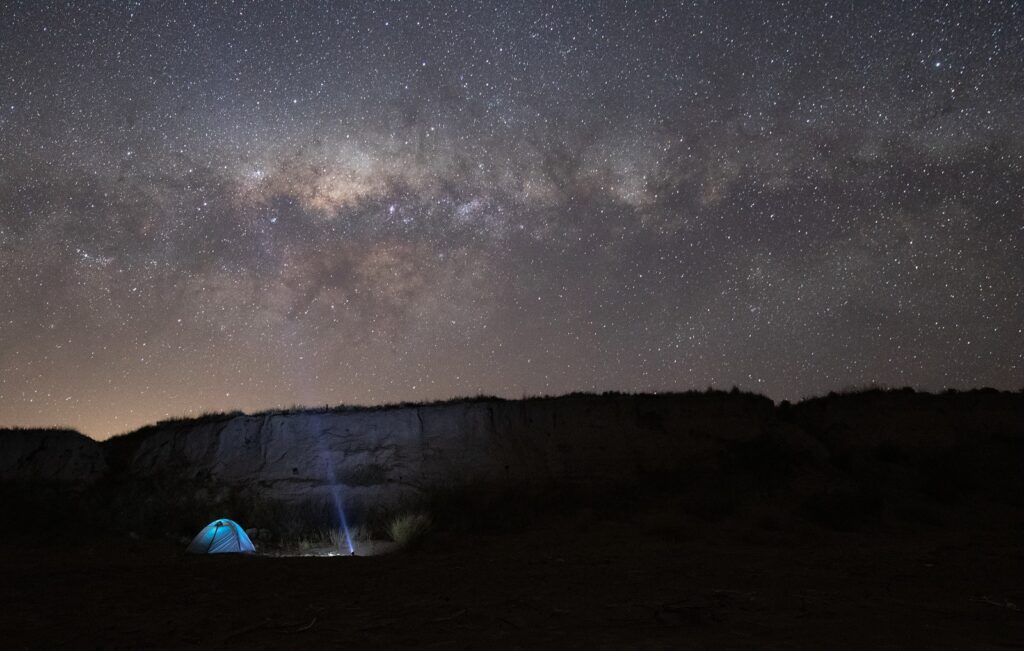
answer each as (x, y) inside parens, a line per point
(241, 206)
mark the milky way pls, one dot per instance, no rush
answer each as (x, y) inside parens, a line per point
(252, 205)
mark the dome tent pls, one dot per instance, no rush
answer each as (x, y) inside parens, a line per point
(221, 536)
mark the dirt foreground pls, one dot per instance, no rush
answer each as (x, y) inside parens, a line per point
(587, 583)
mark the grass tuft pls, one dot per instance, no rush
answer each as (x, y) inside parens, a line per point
(409, 529)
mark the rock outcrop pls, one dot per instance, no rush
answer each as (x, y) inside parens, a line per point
(384, 455)
(50, 455)
(910, 419)
(379, 457)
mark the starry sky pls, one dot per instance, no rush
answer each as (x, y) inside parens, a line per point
(235, 205)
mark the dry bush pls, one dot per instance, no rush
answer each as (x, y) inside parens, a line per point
(410, 528)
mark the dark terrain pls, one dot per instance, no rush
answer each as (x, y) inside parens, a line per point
(900, 527)
(589, 584)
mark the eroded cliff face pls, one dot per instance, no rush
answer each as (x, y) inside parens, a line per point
(385, 455)
(50, 455)
(381, 457)
(909, 419)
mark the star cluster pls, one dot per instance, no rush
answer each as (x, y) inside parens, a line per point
(244, 205)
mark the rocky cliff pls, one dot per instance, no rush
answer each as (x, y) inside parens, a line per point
(50, 455)
(380, 456)
(383, 455)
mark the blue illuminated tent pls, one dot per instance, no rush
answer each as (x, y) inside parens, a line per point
(221, 537)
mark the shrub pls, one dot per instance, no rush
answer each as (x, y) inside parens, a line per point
(409, 528)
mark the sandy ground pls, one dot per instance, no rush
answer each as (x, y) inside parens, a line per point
(588, 583)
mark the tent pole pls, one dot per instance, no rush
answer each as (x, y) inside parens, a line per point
(216, 528)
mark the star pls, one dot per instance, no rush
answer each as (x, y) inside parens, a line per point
(537, 199)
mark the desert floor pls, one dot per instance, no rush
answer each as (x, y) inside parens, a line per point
(648, 580)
